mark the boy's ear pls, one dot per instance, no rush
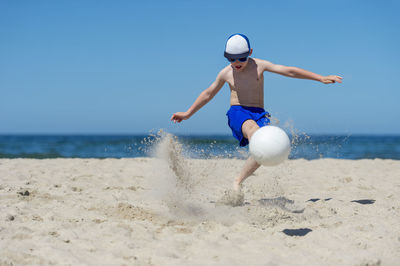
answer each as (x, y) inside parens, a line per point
(251, 51)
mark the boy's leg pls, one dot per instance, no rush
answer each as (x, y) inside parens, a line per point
(248, 129)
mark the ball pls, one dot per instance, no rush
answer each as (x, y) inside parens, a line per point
(269, 145)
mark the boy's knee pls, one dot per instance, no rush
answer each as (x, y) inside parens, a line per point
(248, 128)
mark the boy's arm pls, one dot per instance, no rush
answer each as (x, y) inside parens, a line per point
(296, 72)
(202, 100)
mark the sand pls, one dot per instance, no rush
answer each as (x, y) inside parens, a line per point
(174, 211)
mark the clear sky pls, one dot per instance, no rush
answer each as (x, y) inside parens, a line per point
(127, 66)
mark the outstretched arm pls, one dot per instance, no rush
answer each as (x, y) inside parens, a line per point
(202, 100)
(295, 72)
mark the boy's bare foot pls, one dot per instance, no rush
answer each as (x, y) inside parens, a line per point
(237, 186)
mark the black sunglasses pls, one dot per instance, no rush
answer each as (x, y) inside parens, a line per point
(243, 59)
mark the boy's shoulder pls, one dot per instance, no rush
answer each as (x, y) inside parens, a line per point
(225, 71)
(260, 61)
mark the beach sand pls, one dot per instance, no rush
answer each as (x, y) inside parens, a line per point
(175, 211)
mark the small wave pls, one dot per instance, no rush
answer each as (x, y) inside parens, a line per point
(31, 155)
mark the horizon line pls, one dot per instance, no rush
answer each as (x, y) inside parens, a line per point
(181, 134)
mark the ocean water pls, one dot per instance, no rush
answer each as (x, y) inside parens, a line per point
(211, 146)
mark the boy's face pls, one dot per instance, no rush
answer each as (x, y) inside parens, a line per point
(240, 66)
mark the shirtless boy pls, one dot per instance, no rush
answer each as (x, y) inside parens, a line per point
(246, 81)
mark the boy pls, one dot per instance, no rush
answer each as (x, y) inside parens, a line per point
(246, 81)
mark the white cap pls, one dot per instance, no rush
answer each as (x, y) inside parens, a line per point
(237, 46)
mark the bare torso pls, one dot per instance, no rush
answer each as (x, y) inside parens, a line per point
(247, 86)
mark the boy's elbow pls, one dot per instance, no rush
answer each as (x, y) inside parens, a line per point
(207, 95)
(291, 71)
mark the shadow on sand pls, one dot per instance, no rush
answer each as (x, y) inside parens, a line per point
(317, 199)
(361, 201)
(297, 232)
(364, 201)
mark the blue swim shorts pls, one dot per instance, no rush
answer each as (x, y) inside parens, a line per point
(238, 114)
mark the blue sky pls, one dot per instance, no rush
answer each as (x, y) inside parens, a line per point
(126, 66)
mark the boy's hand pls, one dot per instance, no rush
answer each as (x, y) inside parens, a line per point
(179, 116)
(331, 79)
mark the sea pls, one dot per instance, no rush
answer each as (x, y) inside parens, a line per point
(308, 147)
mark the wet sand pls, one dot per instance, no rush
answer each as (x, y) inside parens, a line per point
(175, 211)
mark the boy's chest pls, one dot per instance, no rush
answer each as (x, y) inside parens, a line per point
(245, 81)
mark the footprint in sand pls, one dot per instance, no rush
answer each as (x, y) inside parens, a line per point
(282, 203)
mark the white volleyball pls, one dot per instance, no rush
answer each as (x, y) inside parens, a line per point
(269, 145)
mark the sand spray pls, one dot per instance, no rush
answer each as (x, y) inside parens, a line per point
(179, 183)
(172, 181)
